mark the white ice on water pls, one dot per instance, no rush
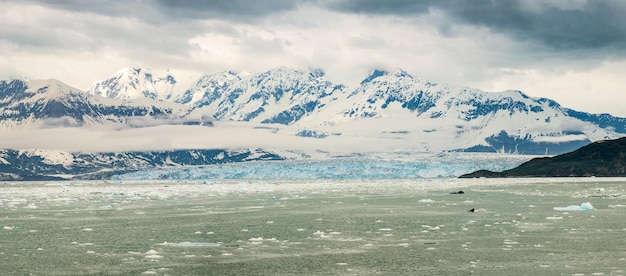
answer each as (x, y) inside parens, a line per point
(583, 207)
(411, 167)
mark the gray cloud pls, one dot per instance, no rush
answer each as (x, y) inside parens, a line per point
(157, 11)
(233, 9)
(560, 25)
(542, 46)
(80, 26)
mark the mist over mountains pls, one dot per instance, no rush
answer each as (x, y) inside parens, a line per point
(289, 113)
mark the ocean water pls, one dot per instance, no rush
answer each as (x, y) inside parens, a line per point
(314, 227)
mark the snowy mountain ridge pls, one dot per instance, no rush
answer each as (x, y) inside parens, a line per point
(281, 95)
(130, 83)
(51, 103)
(404, 112)
(135, 121)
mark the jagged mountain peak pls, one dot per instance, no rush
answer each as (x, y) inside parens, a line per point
(289, 73)
(377, 73)
(317, 72)
(374, 74)
(208, 86)
(51, 86)
(278, 95)
(400, 73)
(52, 103)
(136, 82)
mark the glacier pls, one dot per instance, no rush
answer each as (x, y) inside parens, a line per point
(443, 165)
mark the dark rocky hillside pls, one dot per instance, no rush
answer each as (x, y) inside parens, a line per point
(602, 158)
(19, 165)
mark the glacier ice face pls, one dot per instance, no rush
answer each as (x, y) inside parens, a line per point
(423, 166)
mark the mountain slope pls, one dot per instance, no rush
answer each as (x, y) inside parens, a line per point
(385, 103)
(392, 110)
(281, 95)
(446, 117)
(133, 83)
(51, 103)
(601, 158)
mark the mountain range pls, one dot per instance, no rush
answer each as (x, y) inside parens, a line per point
(466, 119)
(386, 111)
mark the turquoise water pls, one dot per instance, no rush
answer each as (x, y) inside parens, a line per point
(330, 227)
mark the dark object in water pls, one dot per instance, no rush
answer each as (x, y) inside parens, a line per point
(457, 193)
(472, 210)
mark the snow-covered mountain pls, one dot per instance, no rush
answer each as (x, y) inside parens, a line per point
(281, 95)
(132, 83)
(397, 104)
(51, 103)
(410, 113)
(446, 117)
(298, 113)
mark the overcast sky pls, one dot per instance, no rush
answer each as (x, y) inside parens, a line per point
(572, 51)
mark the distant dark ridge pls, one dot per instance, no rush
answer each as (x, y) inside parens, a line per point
(602, 158)
(16, 165)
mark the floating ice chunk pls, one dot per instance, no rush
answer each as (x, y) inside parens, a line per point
(153, 254)
(583, 207)
(190, 244)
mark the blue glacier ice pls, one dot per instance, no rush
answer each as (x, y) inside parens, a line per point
(426, 166)
(583, 207)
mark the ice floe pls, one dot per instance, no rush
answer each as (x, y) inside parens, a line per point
(190, 244)
(583, 207)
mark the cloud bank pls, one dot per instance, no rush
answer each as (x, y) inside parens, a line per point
(573, 51)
